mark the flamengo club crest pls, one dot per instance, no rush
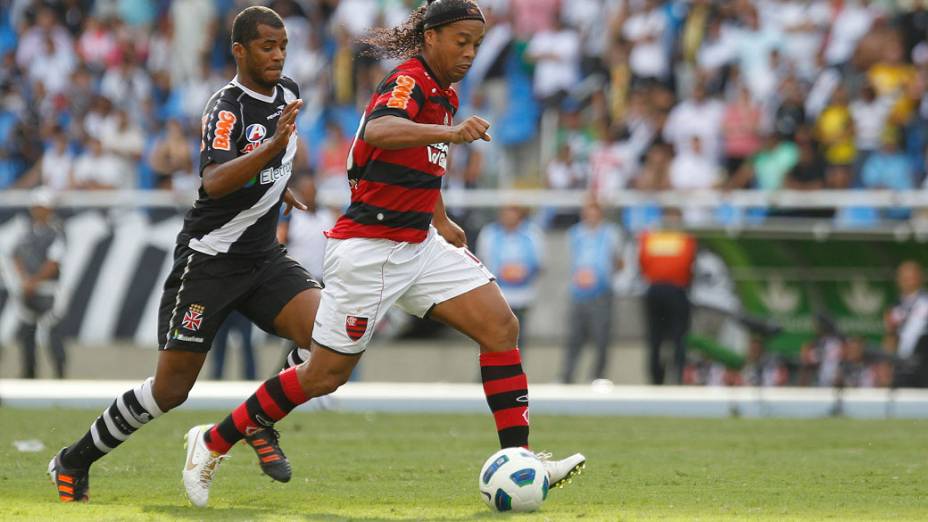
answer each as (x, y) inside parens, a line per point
(193, 318)
(355, 327)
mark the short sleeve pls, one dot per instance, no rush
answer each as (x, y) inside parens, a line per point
(222, 127)
(399, 95)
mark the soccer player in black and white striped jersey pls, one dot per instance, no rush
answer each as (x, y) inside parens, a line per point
(227, 256)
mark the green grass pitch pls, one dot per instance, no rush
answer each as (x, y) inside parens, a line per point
(424, 467)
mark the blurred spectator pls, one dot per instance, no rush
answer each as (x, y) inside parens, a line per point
(171, 156)
(809, 171)
(768, 168)
(562, 173)
(193, 23)
(835, 130)
(302, 231)
(37, 258)
(123, 139)
(595, 253)
(699, 116)
(54, 169)
(96, 169)
(906, 324)
(850, 20)
(858, 368)
(694, 168)
(513, 249)
(333, 152)
(645, 30)
(889, 169)
(666, 258)
(235, 322)
(761, 368)
(741, 129)
(871, 114)
(791, 114)
(820, 358)
(556, 54)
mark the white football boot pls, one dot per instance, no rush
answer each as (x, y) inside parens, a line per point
(561, 472)
(200, 467)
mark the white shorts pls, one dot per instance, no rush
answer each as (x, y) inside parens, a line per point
(365, 277)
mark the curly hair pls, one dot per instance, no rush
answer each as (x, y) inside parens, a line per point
(407, 39)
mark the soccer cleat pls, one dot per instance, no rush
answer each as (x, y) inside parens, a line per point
(561, 472)
(72, 484)
(200, 467)
(274, 463)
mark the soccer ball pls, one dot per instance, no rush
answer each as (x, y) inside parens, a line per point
(513, 479)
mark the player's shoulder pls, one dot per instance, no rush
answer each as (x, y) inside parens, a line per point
(414, 68)
(225, 98)
(289, 84)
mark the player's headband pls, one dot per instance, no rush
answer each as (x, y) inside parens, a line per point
(443, 12)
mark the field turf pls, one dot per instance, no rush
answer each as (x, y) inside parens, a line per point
(424, 467)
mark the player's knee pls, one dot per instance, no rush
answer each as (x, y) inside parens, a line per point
(169, 399)
(504, 332)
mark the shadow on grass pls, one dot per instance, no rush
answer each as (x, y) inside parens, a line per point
(176, 512)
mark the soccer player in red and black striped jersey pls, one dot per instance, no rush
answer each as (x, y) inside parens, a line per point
(396, 245)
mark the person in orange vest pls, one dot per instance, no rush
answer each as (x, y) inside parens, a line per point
(666, 257)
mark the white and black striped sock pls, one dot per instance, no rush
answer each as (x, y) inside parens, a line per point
(129, 412)
(297, 356)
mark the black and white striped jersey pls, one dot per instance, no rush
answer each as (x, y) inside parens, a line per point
(236, 121)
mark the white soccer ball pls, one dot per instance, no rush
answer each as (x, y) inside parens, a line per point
(513, 479)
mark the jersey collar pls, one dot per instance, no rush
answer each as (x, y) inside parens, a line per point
(253, 94)
(430, 72)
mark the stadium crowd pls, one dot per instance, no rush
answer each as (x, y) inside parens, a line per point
(643, 94)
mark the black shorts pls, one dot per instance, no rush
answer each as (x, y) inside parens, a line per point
(202, 290)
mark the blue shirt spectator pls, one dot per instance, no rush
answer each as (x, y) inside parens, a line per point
(513, 249)
(595, 248)
(891, 169)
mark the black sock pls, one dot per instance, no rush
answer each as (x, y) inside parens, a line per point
(128, 413)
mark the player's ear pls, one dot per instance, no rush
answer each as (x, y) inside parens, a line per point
(238, 50)
(431, 36)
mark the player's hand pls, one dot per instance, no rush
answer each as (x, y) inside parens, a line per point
(470, 130)
(286, 126)
(451, 232)
(291, 202)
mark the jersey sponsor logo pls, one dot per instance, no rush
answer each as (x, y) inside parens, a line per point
(188, 338)
(255, 132)
(193, 318)
(438, 154)
(272, 174)
(355, 327)
(224, 126)
(399, 98)
(280, 110)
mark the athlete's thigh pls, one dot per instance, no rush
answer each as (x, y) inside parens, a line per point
(361, 284)
(284, 299)
(447, 272)
(198, 295)
(474, 312)
(177, 371)
(295, 319)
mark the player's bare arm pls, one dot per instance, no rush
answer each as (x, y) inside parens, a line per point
(394, 132)
(222, 179)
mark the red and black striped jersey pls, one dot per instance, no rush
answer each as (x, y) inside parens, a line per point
(394, 192)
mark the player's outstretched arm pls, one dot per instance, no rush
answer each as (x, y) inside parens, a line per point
(394, 132)
(220, 179)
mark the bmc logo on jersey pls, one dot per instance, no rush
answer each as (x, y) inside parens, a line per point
(223, 138)
(399, 98)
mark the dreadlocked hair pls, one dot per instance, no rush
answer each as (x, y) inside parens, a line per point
(402, 41)
(407, 39)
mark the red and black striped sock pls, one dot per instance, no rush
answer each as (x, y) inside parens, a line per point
(506, 388)
(272, 402)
